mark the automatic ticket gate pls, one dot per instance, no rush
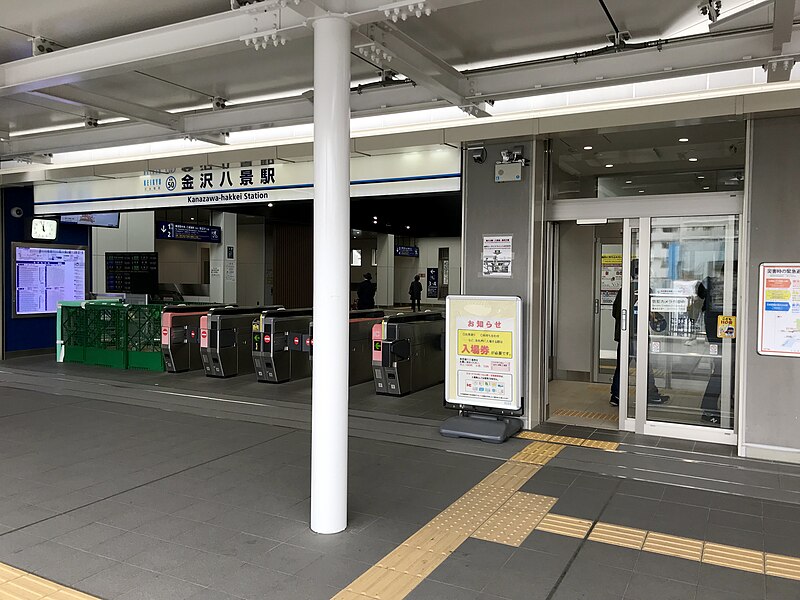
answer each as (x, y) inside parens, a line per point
(225, 335)
(408, 353)
(277, 334)
(361, 323)
(180, 337)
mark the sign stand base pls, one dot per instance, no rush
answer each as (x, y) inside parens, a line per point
(486, 428)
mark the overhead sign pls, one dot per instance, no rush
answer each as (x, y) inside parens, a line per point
(412, 251)
(188, 232)
(226, 183)
(779, 309)
(484, 352)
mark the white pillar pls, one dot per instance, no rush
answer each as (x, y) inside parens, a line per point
(331, 274)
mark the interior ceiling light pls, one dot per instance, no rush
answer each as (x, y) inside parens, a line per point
(269, 205)
(701, 177)
(641, 191)
(683, 140)
(706, 188)
(628, 181)
(693, 159)
(609, 165)
(587, 147)
(408, 226)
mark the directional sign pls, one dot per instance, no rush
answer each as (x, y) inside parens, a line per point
(188, 232)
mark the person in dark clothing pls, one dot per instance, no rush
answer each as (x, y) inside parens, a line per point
(711, 290)
(415, 291)
(653, 395)
(366, 292)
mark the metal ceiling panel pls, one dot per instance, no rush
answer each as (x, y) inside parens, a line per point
(123, 169)
(254, 155)
(176, 162)
(296, 152)
(371, 145)
(13, 45)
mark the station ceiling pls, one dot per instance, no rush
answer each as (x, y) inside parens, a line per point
(132, 83)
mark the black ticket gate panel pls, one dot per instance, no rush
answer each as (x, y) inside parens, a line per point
(277, 335)
(225, 341)
(408, 353)
(180, 337)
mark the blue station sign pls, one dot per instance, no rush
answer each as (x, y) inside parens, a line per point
(412, 251)
(188, 232)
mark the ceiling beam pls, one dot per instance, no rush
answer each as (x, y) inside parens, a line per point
(419, 64)
(690, 56)
(782, 24)
(123, 108)
(182, 41)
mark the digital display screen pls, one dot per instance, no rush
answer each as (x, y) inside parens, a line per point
(46, 275)
(132, 272)
(93, 219)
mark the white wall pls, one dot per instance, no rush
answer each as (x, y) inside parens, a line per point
(250, 264)
(406, 267)
(385, 270)
(135, 234)
(180, 262)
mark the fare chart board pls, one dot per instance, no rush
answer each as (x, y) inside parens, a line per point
(131, 272)
(779, 309)
(44, 276)
(483, 365)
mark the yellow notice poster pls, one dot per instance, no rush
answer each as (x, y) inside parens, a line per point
(496, 344)
(726, 327)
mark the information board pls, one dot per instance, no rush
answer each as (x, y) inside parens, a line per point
(93, 219)
(779, 309)
(47, 275)
(484, 352)
(132, 272)
(188, 232)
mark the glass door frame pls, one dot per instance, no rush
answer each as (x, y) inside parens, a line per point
(640, 422)
(641, 210)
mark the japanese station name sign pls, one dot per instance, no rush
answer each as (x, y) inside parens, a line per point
(779, 309)
(484, 352)
(222, 184)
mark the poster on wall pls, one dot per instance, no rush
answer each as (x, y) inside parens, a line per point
(779, 309)
(497, 256)
(610, 277)
(433, 282)
(483, 352)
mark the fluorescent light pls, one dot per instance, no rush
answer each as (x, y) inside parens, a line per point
(693, 159)
(641, 191)
(629, 181)
(592, 221)
(683, 140)
(701, 176)
(609, 165)
(587, 147)
(706, 188)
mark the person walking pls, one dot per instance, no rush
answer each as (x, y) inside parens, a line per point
(366, 292)
(415, 291)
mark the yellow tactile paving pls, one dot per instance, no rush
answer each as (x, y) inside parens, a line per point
(778, 565)
(19, 585)
(537, 453)
(671, 545)
(516, 519)
(534, 435)
(8, 573)
(584, 414)
(733, 557)
(512, 475)
(568, 526)
(617, 535)
(602, 445)
(382, 584)
(567, 440)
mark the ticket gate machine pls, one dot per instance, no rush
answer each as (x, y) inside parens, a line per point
(225, 335)
(408, 353)
(180, 336)
(361, 322)
(276, 334)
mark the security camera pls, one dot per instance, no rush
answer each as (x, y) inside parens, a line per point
(478, 154)
(17, 212)
(218, 103)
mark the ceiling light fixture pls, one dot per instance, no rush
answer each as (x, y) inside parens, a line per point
(693, 159)
(628, 181)
(269, 205)
(706, 188)
(683, 140)
(701, 177)
(587, 147)
(408, 226)
(641, 191)
(609, 165)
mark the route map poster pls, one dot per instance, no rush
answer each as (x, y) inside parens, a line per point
(779, 309)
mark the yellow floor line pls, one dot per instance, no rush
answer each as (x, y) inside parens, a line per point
(617, 535)
(585, 414)
(567, 526)
(16, 584)
(566, 440)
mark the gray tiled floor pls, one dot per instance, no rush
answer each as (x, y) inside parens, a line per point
(132, 502)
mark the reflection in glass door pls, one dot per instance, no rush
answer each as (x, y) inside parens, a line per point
(692, 284)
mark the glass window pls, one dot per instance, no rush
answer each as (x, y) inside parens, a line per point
(355, 257)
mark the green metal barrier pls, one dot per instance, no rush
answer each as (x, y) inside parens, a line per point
(107, 335)
(71, 345)
(144, 337)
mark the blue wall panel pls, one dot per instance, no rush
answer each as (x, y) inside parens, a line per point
(32, 333)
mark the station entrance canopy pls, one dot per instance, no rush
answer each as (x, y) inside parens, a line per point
(216, 186)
